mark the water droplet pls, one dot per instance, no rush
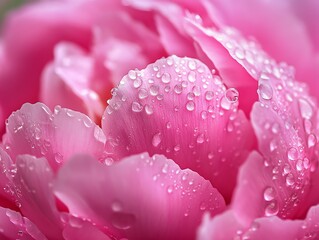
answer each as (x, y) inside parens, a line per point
(58, 157)
(299, 165)
(122, 220)
(290, 180)
(168, 125)
(192, 64)
(137, 83)
(169, 61)
(178, 88)
(108, 161)
(165, 168)
(196, 90)
(191, 76)
(156, 140)
(204, 114)
(265, 91)
(142, 93)
(275, 128)
(136, 107)
(272, 209)
(231, 95)
(307, 126)
(166, 78)
(190, 106)
(312, 140)
(170, 189)
(177, 148)
(132, 74)
(154, 89)
(269, 194)
(116, 206)
(306, 163)
(292, 153)
(149, 109)
(190, 96)
(200, 138)
(209, 95)
(305, 109)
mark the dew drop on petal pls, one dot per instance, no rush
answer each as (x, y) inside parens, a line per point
(122, 220)
(200, 138)
(166, 78)
(190, 106)
(290, 180)
(209, 95)
(157, 139)
(191, 76)
(265, 91)
(269, 194)
(142, 93)
(292, 153)
(312, 140)
(272, 209)
(136, 107)
(154, 89)
(231, 95)
(305, 109)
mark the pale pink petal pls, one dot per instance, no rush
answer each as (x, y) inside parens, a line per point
(138, 197)
(68, 81)
(7, 171)
(276, 25)
(285, 122)
(177, 108)
(47, 23)
(228, 226)
(35, 130)
(33, 183)
(14, 226)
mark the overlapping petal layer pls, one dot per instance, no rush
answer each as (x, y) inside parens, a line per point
(178, 108)
(140, 197)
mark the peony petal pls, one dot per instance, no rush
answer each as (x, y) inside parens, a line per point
(49, 22)
(33, 183)
(7, 170)
(261, 228)
(276, 23)
(67, 81)
(77, 229)
(14, 226)
(284, 120)
(57, 136)
(176, 107)
(138, 197)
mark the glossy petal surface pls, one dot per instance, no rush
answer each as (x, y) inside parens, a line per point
(138, 197)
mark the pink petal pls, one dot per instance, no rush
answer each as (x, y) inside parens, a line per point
(284, 120)
(7, 171)
(48, 22)
(77, 229)
(138, 197)
(276, 23)
(227, 226)
(33, 183)
(68, 81)
(176, 107)
(14, 226)
(35, 130)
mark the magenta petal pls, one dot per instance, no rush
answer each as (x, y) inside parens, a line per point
(177, 108)
(35, 130)
(138, 197)
(14, 226)
(33, 183)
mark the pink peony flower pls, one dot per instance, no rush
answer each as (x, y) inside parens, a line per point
(220, 144)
